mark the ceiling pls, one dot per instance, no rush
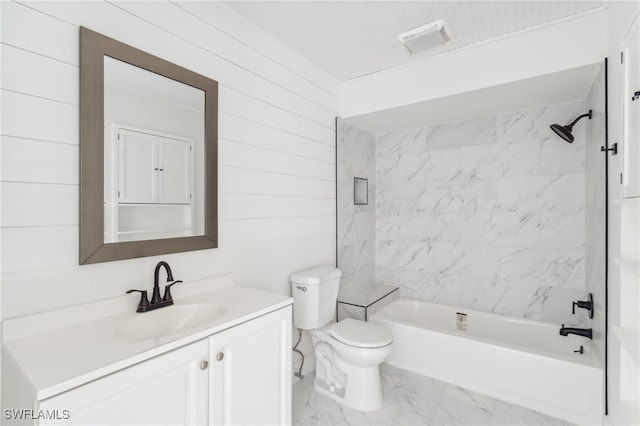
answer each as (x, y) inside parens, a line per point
(559, 87)
(349, 39)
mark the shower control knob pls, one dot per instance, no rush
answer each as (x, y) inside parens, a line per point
(583, 304)
(219, 356)
(204, 365)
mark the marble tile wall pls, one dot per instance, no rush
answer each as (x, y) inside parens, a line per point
(595, 209)
(356, 223)
(487, 213)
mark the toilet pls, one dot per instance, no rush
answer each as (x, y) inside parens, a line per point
(348, 353)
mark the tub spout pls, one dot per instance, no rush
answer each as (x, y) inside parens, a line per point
(585, 332)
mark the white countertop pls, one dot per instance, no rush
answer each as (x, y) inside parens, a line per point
(59, 350)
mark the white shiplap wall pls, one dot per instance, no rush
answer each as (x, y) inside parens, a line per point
(276, 150)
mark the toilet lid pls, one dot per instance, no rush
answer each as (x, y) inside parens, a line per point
(361, 334)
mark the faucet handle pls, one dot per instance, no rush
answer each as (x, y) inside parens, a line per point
(144, 301)
(583, 304)
(167, 291)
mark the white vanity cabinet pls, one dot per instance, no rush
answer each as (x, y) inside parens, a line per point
(239, 375)
(250, 382)
(170, 389)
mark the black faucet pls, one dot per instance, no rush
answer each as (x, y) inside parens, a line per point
(156, 302)
(585, 332)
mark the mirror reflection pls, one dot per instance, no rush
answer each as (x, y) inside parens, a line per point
(153, 155)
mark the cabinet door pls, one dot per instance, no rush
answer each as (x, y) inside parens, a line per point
(170, 389)
(631, 99)
(137, 167)
(250, 379)
(175, 171)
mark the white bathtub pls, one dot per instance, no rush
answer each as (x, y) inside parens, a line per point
(516, 360)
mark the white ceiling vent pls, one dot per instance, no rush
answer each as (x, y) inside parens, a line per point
(425, 37)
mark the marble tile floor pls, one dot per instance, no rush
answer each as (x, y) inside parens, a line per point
(412, 399)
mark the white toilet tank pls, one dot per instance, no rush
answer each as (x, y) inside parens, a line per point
(315, 294)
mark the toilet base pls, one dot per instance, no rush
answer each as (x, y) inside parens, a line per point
(347, 374)
(362, 391)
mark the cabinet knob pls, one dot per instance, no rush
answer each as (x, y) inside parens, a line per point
(220, 356)
(204, 365)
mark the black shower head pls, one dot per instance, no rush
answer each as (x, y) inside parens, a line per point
(565, 131)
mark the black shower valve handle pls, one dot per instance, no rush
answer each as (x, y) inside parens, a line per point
(583, 304)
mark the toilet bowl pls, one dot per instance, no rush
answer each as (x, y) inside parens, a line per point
(347, 367)
(348, 353)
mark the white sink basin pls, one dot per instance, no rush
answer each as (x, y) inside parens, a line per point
(169, 320)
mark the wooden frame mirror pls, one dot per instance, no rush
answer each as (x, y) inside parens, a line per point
(95, 246)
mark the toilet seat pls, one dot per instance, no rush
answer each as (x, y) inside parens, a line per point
(360, 334)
